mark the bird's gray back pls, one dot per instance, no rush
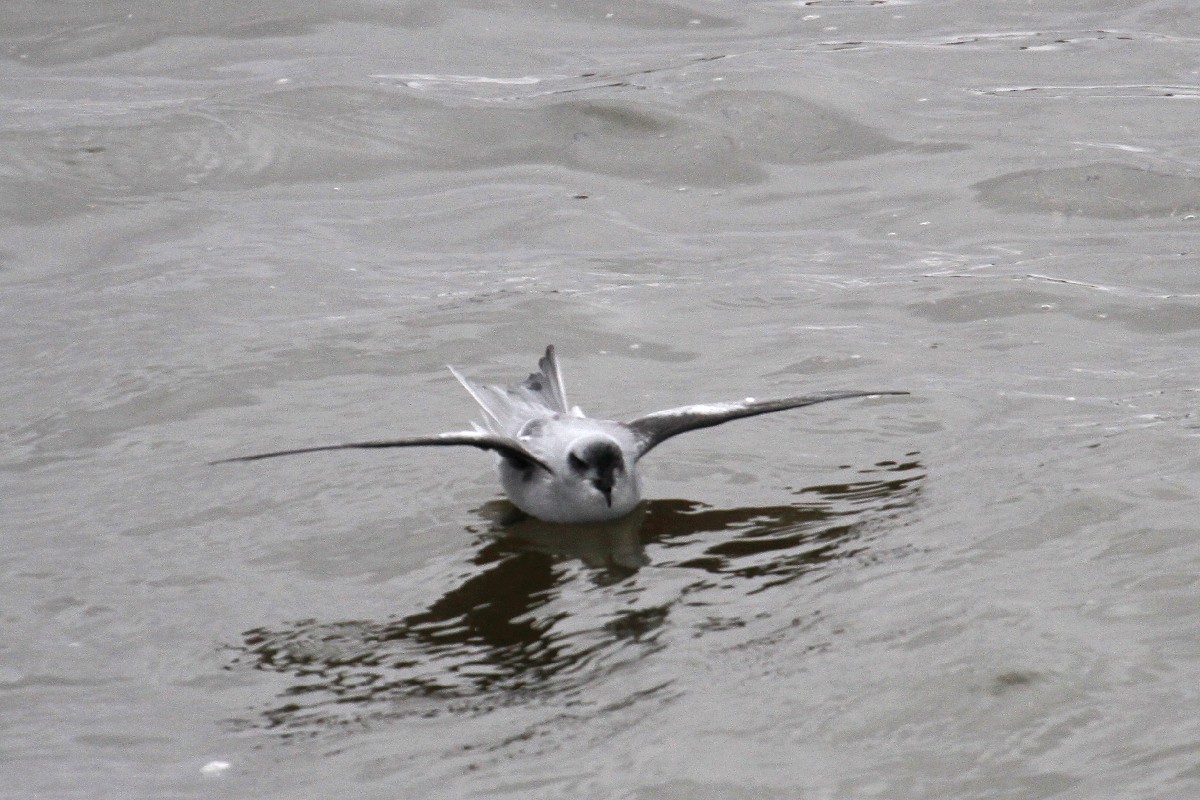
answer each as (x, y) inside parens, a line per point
(552, 436)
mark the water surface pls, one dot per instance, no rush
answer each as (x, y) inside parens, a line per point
(264, 225)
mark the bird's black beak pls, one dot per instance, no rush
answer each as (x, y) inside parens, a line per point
(604, 485)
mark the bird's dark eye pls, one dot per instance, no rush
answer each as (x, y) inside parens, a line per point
(577, 463)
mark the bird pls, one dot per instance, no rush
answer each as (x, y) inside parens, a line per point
(556, 463)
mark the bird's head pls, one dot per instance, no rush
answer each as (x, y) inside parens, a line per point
(599, 462)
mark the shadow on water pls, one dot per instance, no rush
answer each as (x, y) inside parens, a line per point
(536, 613)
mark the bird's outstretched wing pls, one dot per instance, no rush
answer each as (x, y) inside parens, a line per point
(653, 429)
(506, 447)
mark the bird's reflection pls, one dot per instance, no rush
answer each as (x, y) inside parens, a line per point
(540, 607)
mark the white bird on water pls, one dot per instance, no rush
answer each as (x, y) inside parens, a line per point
(559, 465)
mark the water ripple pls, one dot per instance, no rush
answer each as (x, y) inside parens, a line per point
(333, 134)
(535, 615)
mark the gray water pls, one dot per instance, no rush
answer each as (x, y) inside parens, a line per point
(233, 227)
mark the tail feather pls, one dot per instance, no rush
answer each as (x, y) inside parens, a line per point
(509, 408)
(553, 387)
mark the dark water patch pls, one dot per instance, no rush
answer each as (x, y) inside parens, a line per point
(76, 33)
(979, 306)
(780, 128)
(1009, 41)
(1139, 310)
(1013, 680)
(849, 3)
(656, 15)
(335, 134)
(1051, 92)
(539, 613)
(1163, 318)
(1102, 190)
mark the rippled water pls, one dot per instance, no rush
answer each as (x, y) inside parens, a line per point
(239, 227)
(510, 629)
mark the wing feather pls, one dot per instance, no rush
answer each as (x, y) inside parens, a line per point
(653, 429)
(484, 440)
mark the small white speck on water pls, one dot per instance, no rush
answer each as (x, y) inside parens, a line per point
(214, 768)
